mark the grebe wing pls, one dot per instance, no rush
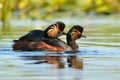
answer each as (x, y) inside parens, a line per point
(57, 42)
(33, 35)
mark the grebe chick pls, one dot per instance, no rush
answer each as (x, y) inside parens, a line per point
(56, 45)
(53, 31)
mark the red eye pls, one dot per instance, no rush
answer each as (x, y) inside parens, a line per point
(79, 33)
(59, 30)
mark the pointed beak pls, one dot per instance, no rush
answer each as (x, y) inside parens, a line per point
(84, 36)
(63, 33)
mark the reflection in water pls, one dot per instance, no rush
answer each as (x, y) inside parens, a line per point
(59, 61)
(99, 51)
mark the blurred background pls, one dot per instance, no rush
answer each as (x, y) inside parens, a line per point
(18, 17)
(98, 56)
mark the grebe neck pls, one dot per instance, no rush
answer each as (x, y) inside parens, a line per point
(71, 42)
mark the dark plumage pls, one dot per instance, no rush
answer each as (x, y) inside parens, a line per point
(55, 44)
(53, 31)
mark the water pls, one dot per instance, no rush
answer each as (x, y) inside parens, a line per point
(98, 57)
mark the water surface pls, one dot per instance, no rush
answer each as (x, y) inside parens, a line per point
(98, 57)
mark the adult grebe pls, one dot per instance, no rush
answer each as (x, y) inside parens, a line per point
(56, 45)
(53, 31)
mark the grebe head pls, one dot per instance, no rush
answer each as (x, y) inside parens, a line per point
(55, 30)
(76, 32)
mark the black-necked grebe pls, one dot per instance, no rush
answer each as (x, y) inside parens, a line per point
(53, 31)
(56, 45)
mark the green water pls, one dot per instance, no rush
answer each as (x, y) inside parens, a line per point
(98, 57)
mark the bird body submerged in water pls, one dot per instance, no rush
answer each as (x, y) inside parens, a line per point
(56, 45)
(53, 31)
